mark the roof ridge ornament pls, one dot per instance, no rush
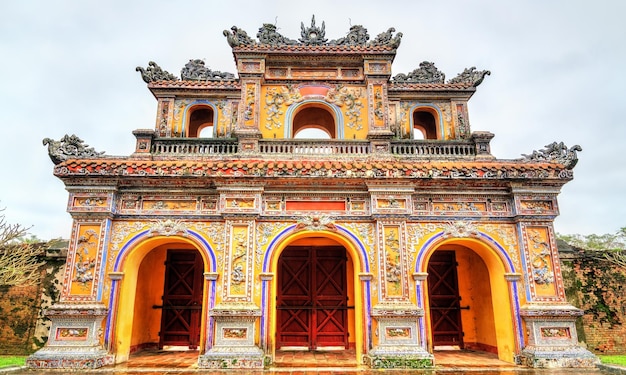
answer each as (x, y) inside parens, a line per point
(195, 70)
(470, 76)
(69, 147)
(426, 73)
(556, 152)
(313, 36)
(154, 73)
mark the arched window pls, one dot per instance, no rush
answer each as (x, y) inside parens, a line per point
(200, 122)
(313, 121)
(425, 124)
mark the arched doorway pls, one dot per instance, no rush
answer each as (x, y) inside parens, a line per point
(342, 262)
(468, 304)
(162, 301)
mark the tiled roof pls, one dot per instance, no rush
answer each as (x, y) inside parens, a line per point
(300, 48)
(212, 84)
(406, 86)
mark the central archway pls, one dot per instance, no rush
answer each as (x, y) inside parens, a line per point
(357, 309)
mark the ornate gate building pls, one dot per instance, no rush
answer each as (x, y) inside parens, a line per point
(312, 202)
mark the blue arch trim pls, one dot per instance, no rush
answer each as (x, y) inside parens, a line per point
(500, 250)
(360, 246)
(144, 234)
(193, 104)
(427, 105)
(292, 108)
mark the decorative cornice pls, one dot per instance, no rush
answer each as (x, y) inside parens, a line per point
(364, 170)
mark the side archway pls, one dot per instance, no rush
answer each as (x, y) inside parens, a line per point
(138, 281)
(489, 317)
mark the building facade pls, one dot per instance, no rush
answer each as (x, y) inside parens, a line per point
(311, 202)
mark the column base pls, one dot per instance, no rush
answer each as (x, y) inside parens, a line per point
(391, 360)
(69, 358)
(576, 357)
(232, 358)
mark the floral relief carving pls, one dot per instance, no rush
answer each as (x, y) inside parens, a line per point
(168, 227)
(276, 99)
(350, 99)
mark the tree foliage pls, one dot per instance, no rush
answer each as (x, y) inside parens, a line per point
(609, 246)
(19, 262)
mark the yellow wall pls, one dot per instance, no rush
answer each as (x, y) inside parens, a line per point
(475, 291)
(149, 293)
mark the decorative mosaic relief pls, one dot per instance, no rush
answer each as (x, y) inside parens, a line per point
(162, 120)
(276, 100)
(234, 333)
(250, 104)
(540, 267)
(88, 202)
(378, 108)
(85, 259)
(555, 332)
(365, 232)
(537, 205)
(71, 334)
(398, 332)
(238, 270)
(392, 261)
(350, 99)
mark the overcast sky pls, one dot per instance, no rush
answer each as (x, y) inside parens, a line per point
(558, 74)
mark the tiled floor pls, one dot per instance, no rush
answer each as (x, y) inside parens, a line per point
(313, 359)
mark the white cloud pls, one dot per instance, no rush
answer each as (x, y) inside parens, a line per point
(557, 74)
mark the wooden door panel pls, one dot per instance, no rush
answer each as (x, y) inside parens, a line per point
(182, 299)
(330, 298)
(312, 297)
(445, 302)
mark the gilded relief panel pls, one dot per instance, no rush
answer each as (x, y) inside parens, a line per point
(90, 202)
(81, 273)
(392, 261)
(250, 105)
(238, 263)
(542, 272)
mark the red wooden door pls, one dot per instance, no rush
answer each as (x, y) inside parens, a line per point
(445, 302)
(182, 299)
(312, 297)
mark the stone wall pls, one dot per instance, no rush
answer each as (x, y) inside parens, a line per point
(23, 328)
(599, 288)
